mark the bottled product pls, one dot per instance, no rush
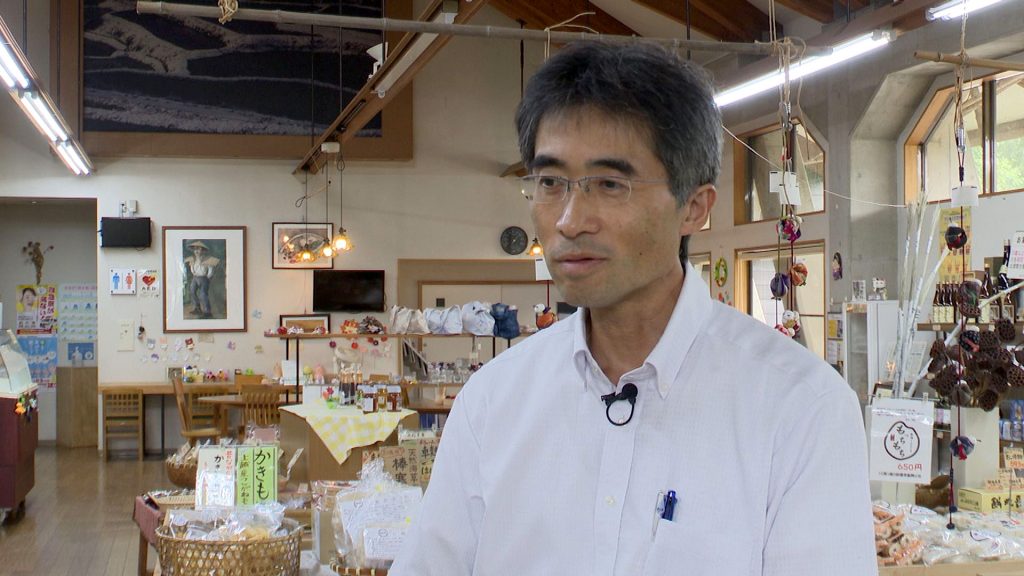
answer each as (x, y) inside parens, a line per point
(369, 400)
(984, 293)
(394, 398)
(936, 307)
(381, 392)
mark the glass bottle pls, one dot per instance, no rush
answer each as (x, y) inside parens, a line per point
(936, 306)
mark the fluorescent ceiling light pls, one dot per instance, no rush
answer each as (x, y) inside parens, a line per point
(23, 86)
(957, 8)
(411, 54)
(10, 66)
(66, 157)
(29, 105)
(841, 53)
(47, 116)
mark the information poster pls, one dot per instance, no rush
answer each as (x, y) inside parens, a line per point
(37, 309)
(952, 269)
(77, 307)
(1015, 268)
(901, 440)
(41, 351)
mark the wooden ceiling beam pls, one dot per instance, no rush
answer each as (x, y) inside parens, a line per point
(539, 15)
(730, 20)
(820, 10)
(367, 103)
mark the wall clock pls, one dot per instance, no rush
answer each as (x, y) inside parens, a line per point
(513, 240)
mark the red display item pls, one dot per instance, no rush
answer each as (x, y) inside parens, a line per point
(19, 435)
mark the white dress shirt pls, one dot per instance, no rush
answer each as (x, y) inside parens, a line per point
(761, 440)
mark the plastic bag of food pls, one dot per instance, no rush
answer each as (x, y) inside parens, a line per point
(375, 503)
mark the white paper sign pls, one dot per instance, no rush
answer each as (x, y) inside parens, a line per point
(901, 440)
(1015, 267)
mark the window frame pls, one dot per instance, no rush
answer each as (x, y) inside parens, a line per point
(740, 156)
(915, 155)
(743, 257)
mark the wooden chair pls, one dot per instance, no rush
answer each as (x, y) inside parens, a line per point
(185, 416)
(243, 380)
(260, 406)
(202, 415)
(122, 418)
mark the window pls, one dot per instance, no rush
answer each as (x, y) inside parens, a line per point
(1009, 130)
(702, 264)
(755, 270)
(753, 202)
(994, 126)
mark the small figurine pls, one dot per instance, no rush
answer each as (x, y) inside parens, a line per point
(790, 325)
(545, 317)
(318, 375)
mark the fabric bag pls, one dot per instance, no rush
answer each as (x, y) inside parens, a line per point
(444, 321)
(417, 323)
(506, 320)
(477, 319)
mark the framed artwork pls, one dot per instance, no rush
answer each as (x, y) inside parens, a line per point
(291, 238)
(191, 87)
(308, 322)
(204, 278)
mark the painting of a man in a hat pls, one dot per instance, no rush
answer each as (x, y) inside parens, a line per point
(204, 293)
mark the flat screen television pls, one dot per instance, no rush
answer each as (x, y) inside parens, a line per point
(348, 291)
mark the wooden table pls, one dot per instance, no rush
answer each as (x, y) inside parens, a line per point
(164, 389)
(226, 401)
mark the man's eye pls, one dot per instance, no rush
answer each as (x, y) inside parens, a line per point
(548, 182)
(611, 185)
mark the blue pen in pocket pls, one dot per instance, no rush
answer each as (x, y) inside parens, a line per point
(669, 508)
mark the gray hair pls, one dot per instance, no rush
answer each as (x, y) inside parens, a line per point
(672, 98)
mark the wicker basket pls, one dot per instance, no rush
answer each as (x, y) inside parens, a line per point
(278, 556)
(182, 475)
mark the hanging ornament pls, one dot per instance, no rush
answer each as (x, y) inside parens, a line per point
(779, 286)
(961, 446)
(790, 324)
(798, 274)
(837, 266)
(969, 308)
(788, 227)
(956, 237)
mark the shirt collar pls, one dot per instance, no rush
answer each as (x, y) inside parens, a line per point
(692, 310)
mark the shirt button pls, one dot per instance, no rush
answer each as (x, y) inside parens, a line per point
(610, 500)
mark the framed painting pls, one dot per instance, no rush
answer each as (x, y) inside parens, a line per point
(204, 278)
(168, 86)
(291, 238)
(308, 322)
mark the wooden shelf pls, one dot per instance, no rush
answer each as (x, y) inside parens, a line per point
(949, 326)
(428, 408)
(394, 336)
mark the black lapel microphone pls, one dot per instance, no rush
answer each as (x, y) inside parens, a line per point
(628, 393)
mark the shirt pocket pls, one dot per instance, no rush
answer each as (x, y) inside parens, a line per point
(690, 548)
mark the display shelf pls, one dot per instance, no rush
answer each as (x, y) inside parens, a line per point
(949, 326)
(395, 336)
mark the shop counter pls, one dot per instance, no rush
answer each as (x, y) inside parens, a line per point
(334, 439)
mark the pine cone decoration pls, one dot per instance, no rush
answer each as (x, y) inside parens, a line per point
(977, 381)
(983, 361)
(953, 351)
(1004, 357)
(1005, 330)
(1019, 355)
(988, 340)
(938, 350)
(936, 365)
(960, 396)
(944, 381)
(969, 311)
(988, 400)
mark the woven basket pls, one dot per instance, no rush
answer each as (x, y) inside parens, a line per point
(182, 475)
(278, 556)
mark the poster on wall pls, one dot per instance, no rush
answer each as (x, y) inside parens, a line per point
(77, 308)
(36, 308)
(122, 281)
(1015, 267)
(41, 351)
(149, 283)
(952, 269)
(82, 353)
(901, 440)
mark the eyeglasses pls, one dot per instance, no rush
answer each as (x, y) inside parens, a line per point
(544, 189)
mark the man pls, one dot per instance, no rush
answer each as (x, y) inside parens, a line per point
(202, 266)
(548, 463)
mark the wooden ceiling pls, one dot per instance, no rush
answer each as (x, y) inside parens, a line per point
(727, 20)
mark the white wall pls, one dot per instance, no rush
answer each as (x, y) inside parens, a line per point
(70, 228)
(448, 202)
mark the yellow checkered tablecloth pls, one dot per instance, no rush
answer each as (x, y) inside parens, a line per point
(346, 427)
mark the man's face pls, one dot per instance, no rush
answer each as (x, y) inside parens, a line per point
(601, 254)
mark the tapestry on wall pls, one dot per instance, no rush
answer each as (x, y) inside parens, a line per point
(172, 74)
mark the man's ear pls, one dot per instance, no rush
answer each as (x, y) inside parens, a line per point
(697, 209)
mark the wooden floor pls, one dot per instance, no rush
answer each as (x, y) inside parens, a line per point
(79, 516)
